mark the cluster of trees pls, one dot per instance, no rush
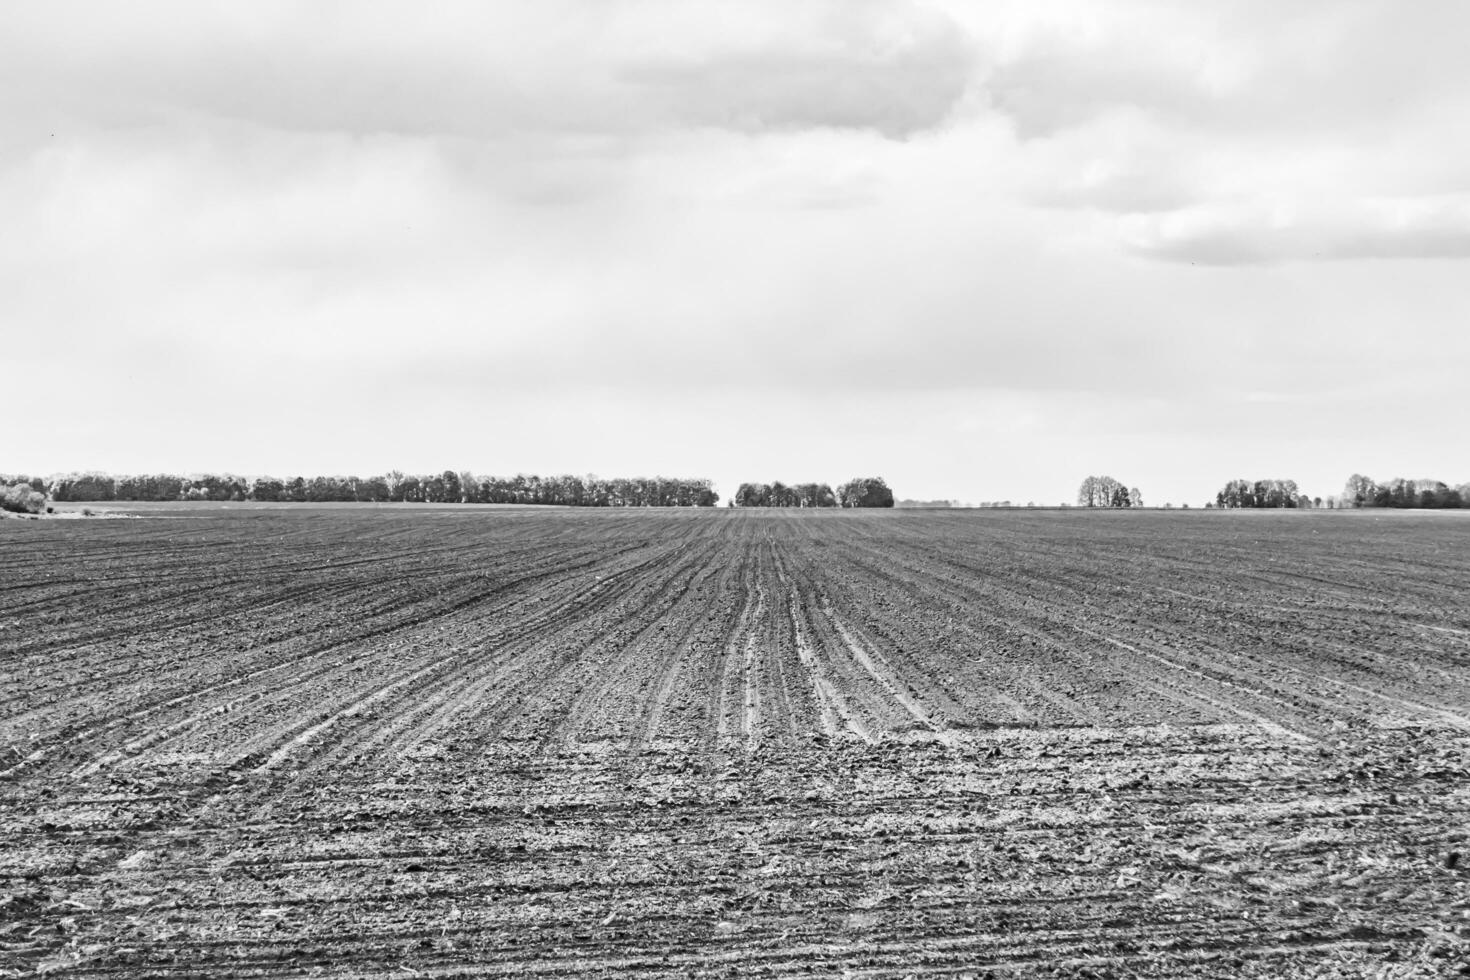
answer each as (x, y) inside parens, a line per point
(870, 491)
(446, 487)
(1359, 492)
(778, 494)
(865, 491)
(22, 498)
(1104, 491)
(574, 491)
(34, 482)
(1263, 493)
(1434, 494)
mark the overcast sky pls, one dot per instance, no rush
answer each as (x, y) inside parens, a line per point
(983, 250)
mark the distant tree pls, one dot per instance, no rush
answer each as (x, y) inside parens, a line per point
(752, 495)
(157, 487)
(1135, 498)
(128, 488)
(871, 491)
(1103, 491)
(1088, 494)
(409, 489)
(1359, 492)
(1236, 493)
(705, 495)
(213, 486)
(267, 488)
(36, 483)
(84, 486)
(330, 489)
(776, 494)
(469, 487)
(1261, 493)
(1403, 493)
(374, 489)
(22, 498)
(491, 491)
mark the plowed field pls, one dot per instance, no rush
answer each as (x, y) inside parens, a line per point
(450, 742)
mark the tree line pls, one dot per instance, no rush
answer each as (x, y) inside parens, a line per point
(1104, 491)
(23, 492)
(869, 491)
(1362, 491)
(446, 487)
(1263, 493)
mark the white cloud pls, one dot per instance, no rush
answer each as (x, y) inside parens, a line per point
(1246, 132)
(897, 69)
(499, 71)
(1410, 228)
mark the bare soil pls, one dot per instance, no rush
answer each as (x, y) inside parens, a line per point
(323, 741)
